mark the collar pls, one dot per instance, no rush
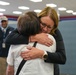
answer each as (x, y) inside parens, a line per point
(4, 29)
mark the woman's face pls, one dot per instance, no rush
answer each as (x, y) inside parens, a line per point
(47, 24)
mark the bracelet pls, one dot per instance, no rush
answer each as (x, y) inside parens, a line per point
(45, 55)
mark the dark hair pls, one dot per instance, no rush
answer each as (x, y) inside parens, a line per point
(28, 24)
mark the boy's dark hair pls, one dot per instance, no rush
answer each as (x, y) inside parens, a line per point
(28, 24)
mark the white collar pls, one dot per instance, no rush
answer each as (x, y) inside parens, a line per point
(4, 29)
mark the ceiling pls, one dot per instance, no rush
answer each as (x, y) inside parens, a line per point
(68, 4)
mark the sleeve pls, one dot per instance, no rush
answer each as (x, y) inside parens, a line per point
(10, 58)
(59, 57)
(15, 38)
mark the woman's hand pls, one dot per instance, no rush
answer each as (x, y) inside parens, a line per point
(32, 53)
(41, 38)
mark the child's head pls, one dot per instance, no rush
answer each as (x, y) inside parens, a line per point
(28, 24)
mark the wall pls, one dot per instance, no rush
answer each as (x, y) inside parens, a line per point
(68, 30)
(12, 23)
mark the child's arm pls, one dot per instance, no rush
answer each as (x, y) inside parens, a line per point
(10, 70)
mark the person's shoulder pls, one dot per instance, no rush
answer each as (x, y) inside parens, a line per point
(10, 27)
(51, 37)
(58, 35)
(18, 47)
(15, 30)
(57, 31)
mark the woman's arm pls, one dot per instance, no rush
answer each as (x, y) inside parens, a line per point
(16, 38)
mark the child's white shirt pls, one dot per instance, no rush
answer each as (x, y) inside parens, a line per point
(31, 67)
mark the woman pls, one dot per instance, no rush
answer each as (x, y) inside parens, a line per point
(49, 23)
(28, 24)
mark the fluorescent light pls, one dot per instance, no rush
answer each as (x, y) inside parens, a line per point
(2, 9)
(62, 9)
(1, 13)
(36, 0)
(74, 13)
(69, 11)
(17, 12)
(4, 3)
(23, 7)
(51, 5)
(38, 10)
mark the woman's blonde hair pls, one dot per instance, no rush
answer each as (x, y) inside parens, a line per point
(48, 11)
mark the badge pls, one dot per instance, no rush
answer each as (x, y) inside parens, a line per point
(3, 45)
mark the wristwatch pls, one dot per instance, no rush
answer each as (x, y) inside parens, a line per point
(45, 55)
